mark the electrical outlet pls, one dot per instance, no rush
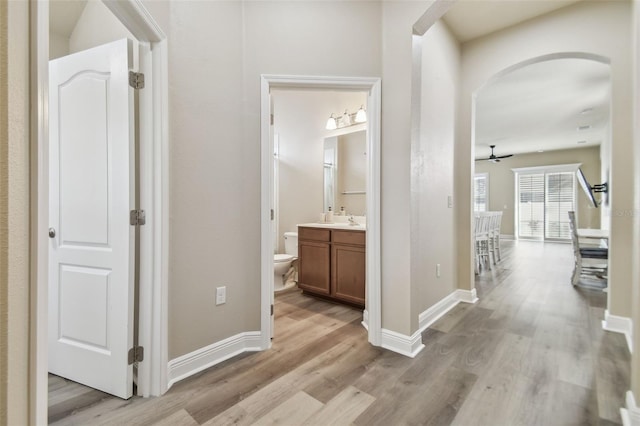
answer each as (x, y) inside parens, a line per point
(449, 201)
(438, 270)
(221, 295)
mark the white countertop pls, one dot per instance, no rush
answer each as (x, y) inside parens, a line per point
(342, 226)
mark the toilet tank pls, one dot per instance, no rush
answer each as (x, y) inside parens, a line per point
(291, 243)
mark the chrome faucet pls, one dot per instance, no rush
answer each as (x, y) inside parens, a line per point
(352, 220)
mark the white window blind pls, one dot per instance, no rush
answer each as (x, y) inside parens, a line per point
(560, 194)
(544, 199)
(480, 193)
(531, 205)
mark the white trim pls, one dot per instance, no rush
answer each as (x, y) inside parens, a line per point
(507, 237)
(373, 287)
(365, 319)
(547, 169)
(152, 379)
(39, 93)
(467, 296)
(631, 414)
(405, 345)
(435, 312)
(187, 365)
(619, 324)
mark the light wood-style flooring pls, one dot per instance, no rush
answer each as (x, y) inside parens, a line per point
(531, 352)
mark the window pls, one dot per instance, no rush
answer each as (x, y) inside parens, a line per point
(559, 201)
(545, 195)
(531, 206)
(481, 192)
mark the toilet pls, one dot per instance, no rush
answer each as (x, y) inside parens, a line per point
(282, 262)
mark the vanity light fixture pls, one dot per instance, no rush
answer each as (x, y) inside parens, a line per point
(346, 119)
(361, 115)
(331, 123)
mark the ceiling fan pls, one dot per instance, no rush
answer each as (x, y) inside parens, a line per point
(493, 158)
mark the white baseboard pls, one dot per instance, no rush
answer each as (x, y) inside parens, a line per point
(631, 413)
(198, 360)
(435, 312)
(467, 296)
(365, 319)
(507, 237)
(432, 314)
(619, 325)
(401, 343)
(411, 345)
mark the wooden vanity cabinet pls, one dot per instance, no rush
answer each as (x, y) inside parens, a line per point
(332, 264)
(314, 260)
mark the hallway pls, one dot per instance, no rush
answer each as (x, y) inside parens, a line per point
(531, 351)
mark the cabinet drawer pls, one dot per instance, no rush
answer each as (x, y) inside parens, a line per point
(349, 237)
(314, 234)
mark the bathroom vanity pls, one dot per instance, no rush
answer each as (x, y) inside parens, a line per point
(332, 262)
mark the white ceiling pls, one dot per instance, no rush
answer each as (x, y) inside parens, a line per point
(541, 106)
(469, 19)
(64, 14)
(536, 108)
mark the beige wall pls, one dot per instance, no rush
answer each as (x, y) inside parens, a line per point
(300, 119)
(97, 25)
(502, 182)
(433, 238)
(601, 28)
(58, 45)
(14, 213)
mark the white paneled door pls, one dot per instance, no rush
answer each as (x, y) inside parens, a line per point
(91, 191)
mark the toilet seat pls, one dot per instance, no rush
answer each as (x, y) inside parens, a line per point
(281, 258)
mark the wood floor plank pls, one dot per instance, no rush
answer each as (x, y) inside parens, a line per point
(179, 418)
(343, 409)
(531, 351)
(294, 411)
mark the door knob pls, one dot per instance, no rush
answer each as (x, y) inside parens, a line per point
(52, 232)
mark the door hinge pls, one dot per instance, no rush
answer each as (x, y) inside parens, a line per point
(271, 310)
(272, 214)
(137, 217)
(272, 119)
(136, 80)
(136, 354)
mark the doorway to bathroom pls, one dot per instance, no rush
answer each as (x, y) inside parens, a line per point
(317, 152)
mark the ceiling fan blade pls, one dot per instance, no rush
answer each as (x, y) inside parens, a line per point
(504, 156)
(483, 159)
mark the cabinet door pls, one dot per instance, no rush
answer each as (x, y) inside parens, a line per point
(314, 267)
(348, 273)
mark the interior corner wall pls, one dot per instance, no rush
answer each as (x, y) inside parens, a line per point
(601, 28)
(97, 25)
(300, 118)
(14, 213)
(433, 239)
(400, 298)
(502, 182)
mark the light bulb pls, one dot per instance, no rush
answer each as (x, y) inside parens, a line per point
(346, 120)
(361, 116)
(331, 123)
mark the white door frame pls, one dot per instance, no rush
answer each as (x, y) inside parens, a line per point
(153, 163)
(373, 312)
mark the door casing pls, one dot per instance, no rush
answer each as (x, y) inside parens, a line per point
(152, 372)
(372, 85)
